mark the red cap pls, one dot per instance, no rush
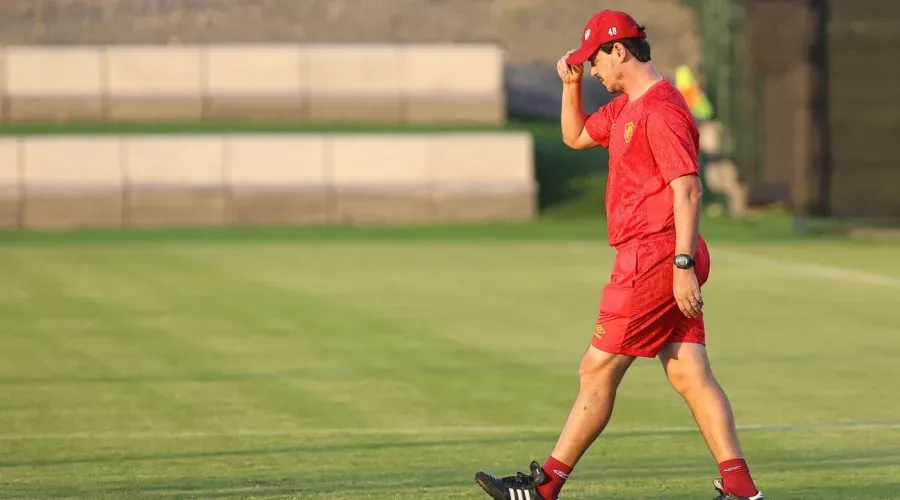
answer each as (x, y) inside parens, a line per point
(606, 26)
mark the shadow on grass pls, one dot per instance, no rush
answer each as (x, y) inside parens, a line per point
(820, 461)
(404, 484)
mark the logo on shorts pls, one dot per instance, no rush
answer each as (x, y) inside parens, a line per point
(629, 131)
(599, 331)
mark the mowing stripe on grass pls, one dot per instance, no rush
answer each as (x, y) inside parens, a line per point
(815, 270)
(434, 431)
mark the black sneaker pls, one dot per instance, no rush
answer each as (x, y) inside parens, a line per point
(518, 487)
(720, 487)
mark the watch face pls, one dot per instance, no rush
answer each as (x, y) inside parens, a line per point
(682, 261)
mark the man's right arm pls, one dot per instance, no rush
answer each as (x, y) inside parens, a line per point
(581, 130)
(573, 119)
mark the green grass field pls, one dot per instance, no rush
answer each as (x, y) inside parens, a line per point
(394, 363)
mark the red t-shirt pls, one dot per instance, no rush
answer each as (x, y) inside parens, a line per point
(651, 141)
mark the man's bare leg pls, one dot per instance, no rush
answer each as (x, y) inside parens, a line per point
(688, 370)
(599, 374)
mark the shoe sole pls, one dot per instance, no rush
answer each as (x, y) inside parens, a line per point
(489, 487)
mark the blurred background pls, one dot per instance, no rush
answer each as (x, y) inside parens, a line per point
(331, 249)
(798, 113)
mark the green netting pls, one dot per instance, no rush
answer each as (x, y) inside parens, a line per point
(729, 79)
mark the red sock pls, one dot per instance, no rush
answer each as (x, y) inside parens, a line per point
(736, 476)
(557, 473)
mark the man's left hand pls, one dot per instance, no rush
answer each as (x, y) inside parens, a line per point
(687, 292)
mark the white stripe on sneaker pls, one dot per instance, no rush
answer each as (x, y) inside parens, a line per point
(512, 494)
(527, 495)
(519, 494)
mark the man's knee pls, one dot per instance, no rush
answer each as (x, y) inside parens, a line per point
(687, 382)
(687, 369)
(599, 367)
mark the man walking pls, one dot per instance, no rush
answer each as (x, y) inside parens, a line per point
(652, 305)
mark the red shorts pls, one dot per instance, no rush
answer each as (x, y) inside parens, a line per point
(638, 313)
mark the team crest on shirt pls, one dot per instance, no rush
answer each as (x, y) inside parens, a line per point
(629, 131)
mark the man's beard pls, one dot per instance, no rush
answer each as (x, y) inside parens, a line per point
(615, 87)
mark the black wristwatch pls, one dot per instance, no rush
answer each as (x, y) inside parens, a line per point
(684, 261)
